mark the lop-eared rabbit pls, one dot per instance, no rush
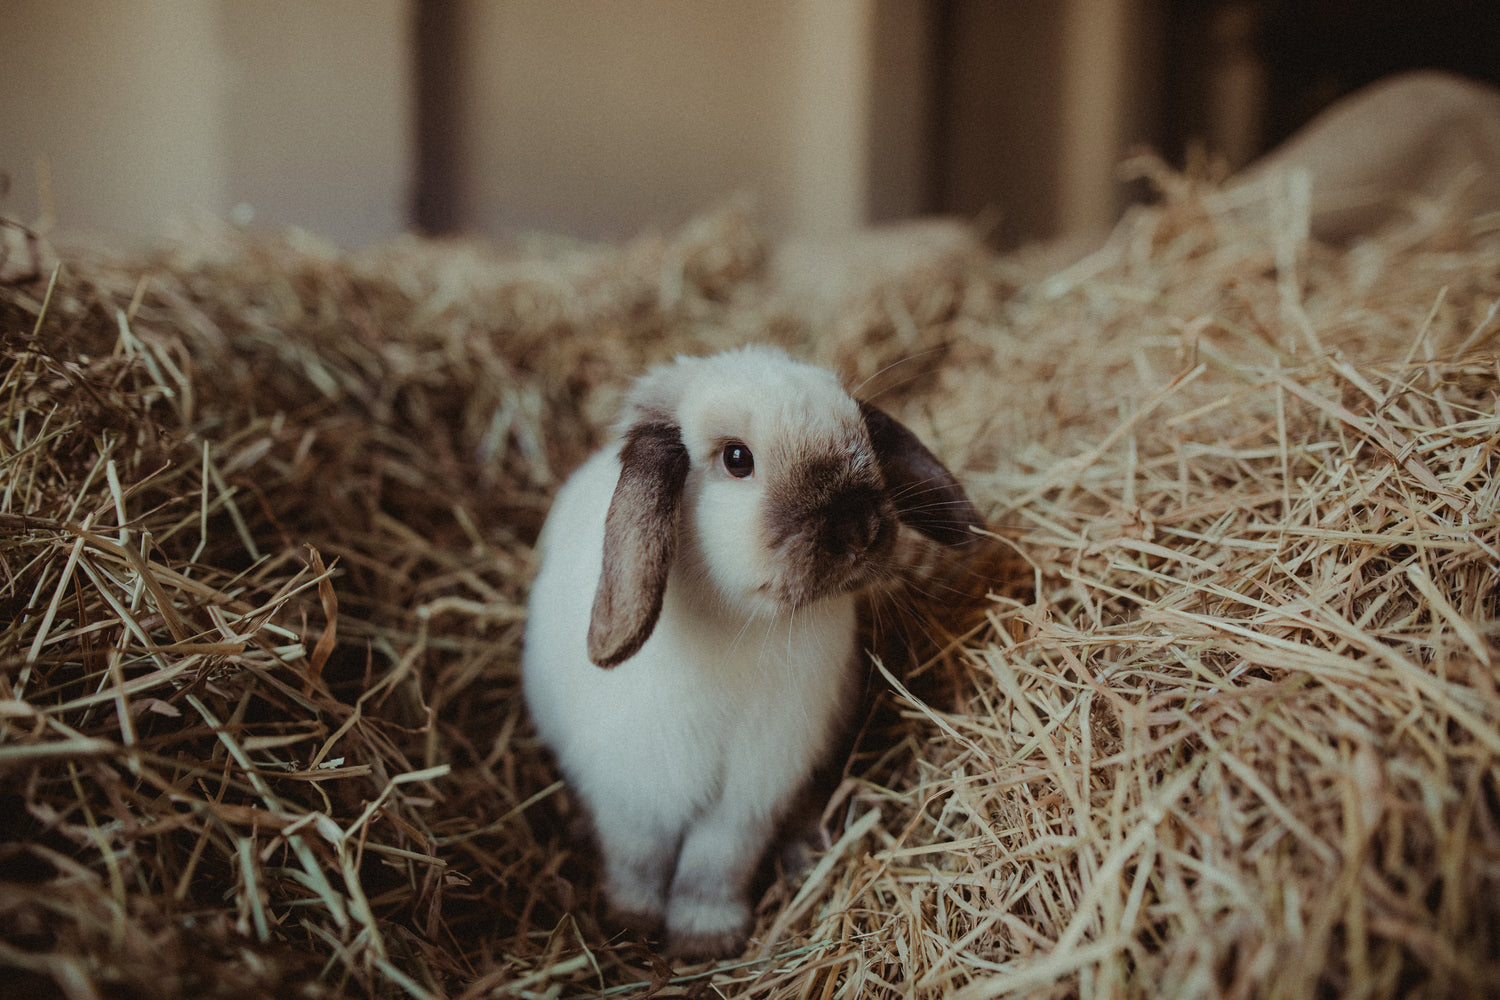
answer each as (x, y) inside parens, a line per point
(691, 642)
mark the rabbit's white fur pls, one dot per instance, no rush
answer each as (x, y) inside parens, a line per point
(688, 752)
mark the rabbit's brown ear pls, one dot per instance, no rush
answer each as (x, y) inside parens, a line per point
(640, 541)
(924, 492)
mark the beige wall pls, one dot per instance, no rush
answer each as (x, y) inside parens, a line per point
(595, 118)
(599, 118)
(119, 105)
(319, 113)
(898, 150)
(1041, 101)
(146, 111)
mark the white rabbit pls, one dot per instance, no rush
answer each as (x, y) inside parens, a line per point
(690, 643)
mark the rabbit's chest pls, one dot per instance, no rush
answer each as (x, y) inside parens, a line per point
(751, 705)
(769, 707)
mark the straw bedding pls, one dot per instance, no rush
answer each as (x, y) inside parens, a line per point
(1214, 715)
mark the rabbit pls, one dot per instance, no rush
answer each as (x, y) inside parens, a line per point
(690, 644)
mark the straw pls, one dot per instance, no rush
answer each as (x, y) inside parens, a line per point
(1214, 714)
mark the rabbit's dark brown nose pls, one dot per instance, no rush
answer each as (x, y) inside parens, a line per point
(854, 525)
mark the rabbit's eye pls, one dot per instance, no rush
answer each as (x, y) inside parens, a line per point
(738, 461)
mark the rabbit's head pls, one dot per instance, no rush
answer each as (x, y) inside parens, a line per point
(760, 482)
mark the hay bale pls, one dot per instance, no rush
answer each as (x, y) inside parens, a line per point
(1216, 715)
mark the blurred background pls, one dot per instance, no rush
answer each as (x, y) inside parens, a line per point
(361, 119)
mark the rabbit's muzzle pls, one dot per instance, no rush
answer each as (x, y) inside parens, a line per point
(831, 532)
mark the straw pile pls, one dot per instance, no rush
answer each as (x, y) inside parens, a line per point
(1216, 715)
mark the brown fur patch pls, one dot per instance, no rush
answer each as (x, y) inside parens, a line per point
(831, 526)
(926, 495)
(640, 540)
